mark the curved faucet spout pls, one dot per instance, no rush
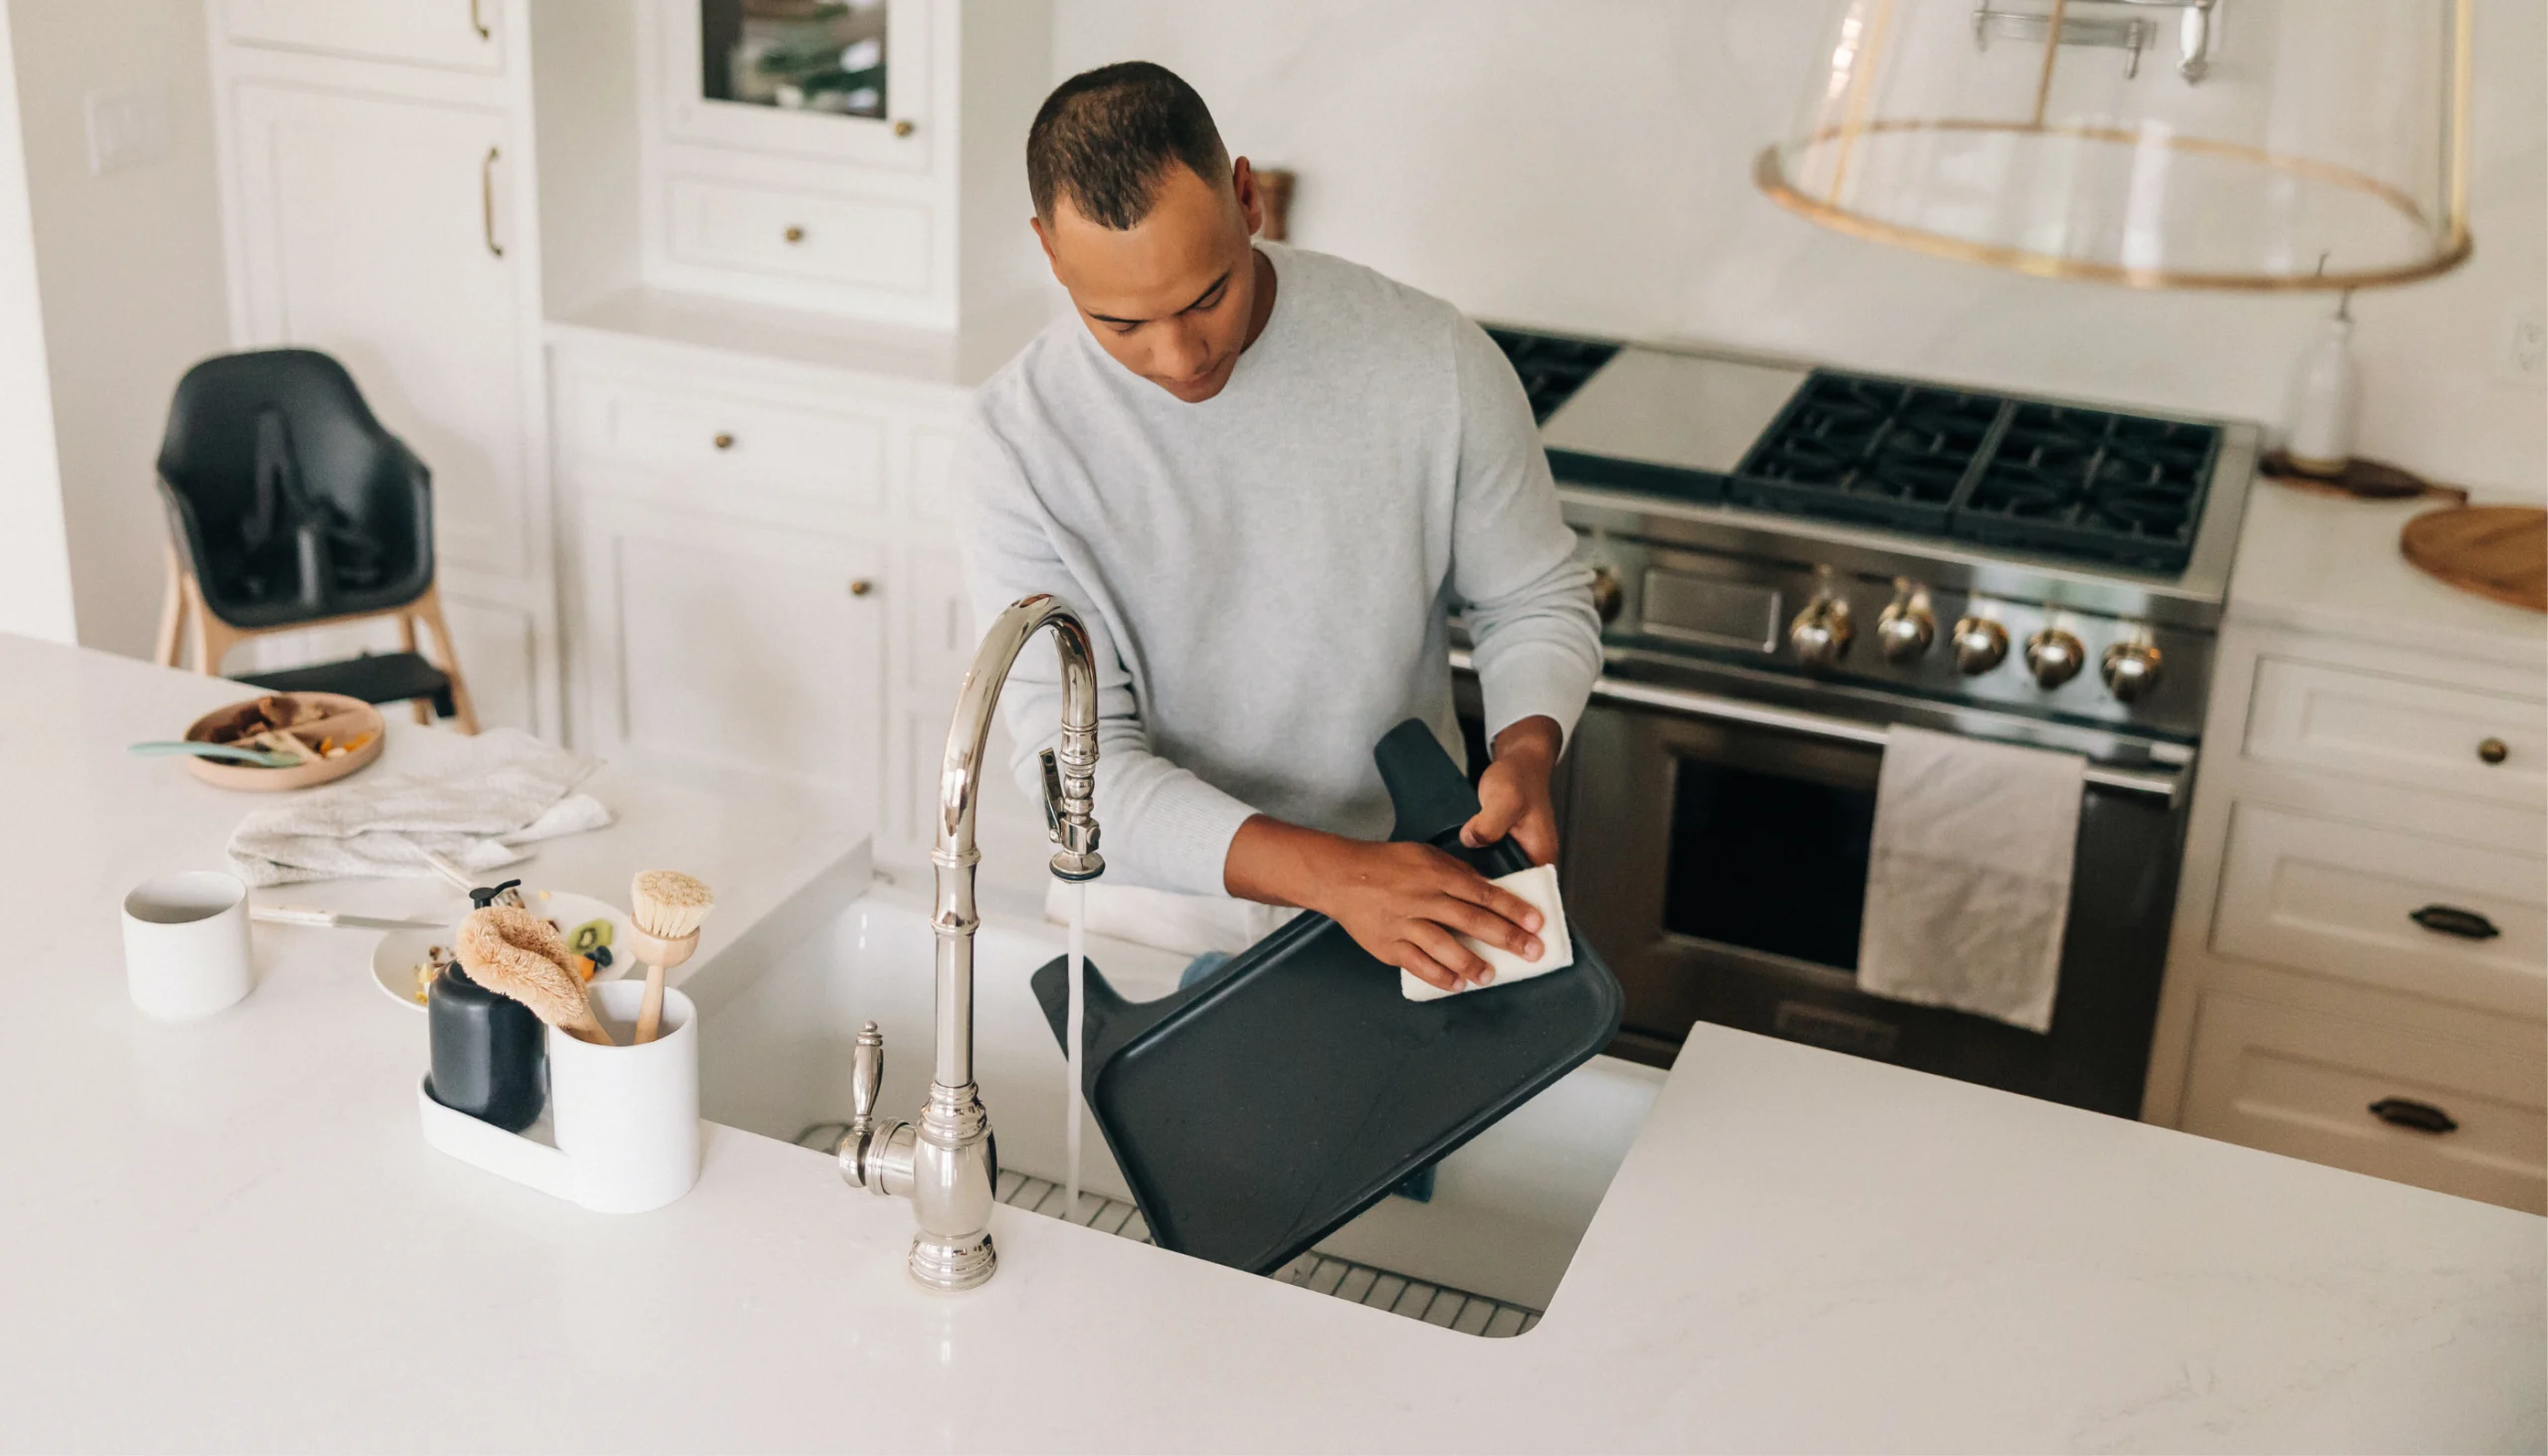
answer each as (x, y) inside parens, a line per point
(945, 1159)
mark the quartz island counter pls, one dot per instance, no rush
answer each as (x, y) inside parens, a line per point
(229, 1233)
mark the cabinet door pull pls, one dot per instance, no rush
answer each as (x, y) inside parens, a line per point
(486, 200)
(479, 21)
(793, 234)
(2493, 751)
(723, 441)
(904, 128)
(860, 586)
(2405, 1111)
(2450, 919)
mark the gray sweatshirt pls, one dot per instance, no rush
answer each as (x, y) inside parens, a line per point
(1266, 577)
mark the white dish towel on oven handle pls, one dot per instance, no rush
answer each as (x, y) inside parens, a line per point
(1968, 875)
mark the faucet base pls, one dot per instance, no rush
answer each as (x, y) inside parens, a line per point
(953, 1265)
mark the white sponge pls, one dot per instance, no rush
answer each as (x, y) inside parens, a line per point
(1537, 884)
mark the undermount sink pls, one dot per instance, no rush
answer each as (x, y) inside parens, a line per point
(1507, 1210)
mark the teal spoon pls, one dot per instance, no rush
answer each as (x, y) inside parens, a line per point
(224, 751)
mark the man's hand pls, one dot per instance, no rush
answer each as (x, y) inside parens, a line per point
(1400, 902)
(1512, 794)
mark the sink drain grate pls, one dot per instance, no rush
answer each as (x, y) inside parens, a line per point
(1379, 1289)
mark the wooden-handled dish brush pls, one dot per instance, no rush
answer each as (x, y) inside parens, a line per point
(516, 954)
(666, 907)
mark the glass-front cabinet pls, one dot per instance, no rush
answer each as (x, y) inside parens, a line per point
(840, 79)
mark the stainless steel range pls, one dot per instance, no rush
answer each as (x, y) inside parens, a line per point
(1791, 560)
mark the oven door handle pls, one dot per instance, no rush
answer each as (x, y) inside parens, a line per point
(2163, 784)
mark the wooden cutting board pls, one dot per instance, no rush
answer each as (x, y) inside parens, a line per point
(2497, 552)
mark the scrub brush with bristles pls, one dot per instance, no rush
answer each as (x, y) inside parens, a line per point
(516, 954)
(668, 907)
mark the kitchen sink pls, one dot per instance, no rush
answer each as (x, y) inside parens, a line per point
(1507, 1209)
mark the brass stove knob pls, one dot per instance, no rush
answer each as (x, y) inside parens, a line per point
(1905, 628)
(1822, 631)
(2054, 657)
(1979, 645)
(2131, 670)
(1607, 595)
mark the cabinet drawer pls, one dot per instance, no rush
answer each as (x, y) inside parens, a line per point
(2426, 736)
(2304, 1084)
(935, 632)
(2423, 916)
(453, 34)
(796, 235)
(734, 446)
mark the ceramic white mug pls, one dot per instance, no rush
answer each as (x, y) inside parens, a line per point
(185, 944)
(628, 1116)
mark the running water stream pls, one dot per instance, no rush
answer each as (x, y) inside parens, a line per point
(1071, 1052)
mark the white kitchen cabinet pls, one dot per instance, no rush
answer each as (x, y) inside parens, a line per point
(382, 214)
(900, 200)
(369, 236)
(764, 576)
(462, 35)
(737, 646)
(2460, 1118)
(2358, 970)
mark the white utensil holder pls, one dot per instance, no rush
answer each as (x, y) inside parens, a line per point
(622, 1125)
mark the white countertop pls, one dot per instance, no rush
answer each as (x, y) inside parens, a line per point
(2320, 563)
(229, 1233)
(960, 358)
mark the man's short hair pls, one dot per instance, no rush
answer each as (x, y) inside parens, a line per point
(1104, 137)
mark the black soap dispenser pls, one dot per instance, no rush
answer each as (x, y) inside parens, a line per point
(490, 1052)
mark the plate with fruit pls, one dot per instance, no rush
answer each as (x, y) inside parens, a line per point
(405, 962)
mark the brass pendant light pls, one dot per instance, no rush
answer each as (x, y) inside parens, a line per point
(2256, 144)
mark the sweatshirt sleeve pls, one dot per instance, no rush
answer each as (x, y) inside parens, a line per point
(1534, 636)
(1159, 824)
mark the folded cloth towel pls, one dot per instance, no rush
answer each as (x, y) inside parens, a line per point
(1537, 884)
(1189, 924)
(1968, 875)
(500, 789)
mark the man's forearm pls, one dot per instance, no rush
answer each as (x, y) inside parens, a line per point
(1274, 863)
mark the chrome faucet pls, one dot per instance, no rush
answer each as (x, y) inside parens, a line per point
(946, 1162)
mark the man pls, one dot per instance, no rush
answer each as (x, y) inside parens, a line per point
(1265, 477)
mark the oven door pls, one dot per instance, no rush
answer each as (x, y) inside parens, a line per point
(1717, 854)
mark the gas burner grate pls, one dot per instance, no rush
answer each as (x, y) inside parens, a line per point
(2119, 489)
(1551, 366)
(2114, 488)
(1880, 451)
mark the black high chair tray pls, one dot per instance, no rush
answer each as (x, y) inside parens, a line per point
(1256, 1112)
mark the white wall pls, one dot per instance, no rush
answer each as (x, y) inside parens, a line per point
(35, 555)
(1587, 163)
(131, 269)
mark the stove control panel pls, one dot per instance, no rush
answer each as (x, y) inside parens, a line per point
(1936, 641)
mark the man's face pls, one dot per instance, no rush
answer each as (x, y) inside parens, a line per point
(1172, 297)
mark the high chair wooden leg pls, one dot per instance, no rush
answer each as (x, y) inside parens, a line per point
(423, 711)
(173, 610)
(428, 608)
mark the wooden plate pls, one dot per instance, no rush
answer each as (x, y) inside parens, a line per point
(366, 718)
(2497, 552)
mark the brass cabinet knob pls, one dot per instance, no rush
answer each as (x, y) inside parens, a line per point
(2493, 751)
(794, 234)
(861, 586)
(904, 128)
(725, 440)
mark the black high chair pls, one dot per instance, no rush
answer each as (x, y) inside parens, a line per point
(290, 507)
